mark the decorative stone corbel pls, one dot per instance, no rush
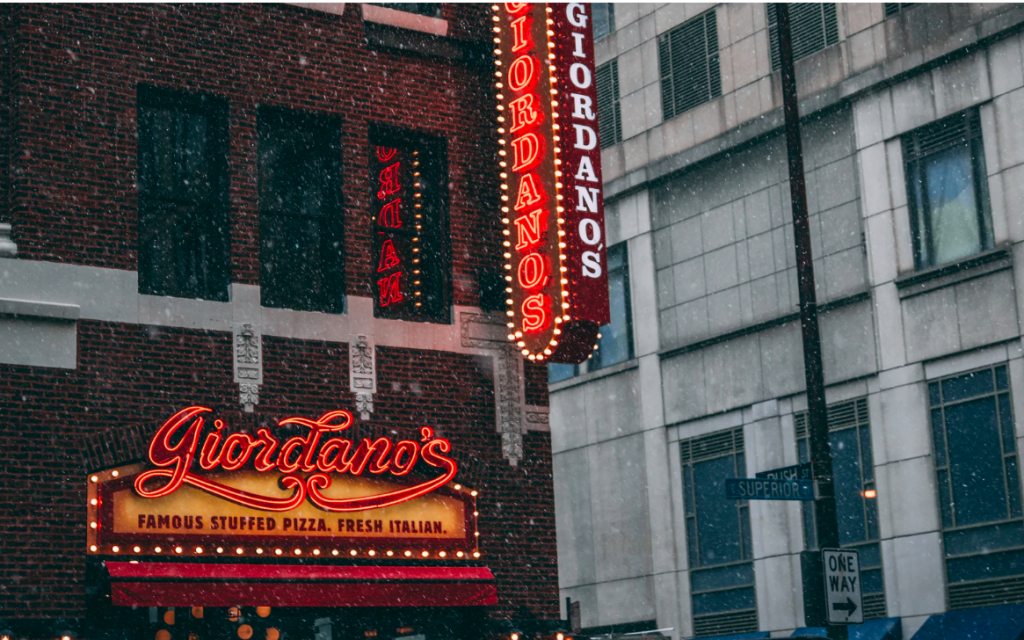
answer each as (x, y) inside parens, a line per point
(362, 371)
(7, 247)
(248, 364)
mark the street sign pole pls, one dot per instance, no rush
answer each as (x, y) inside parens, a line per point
(821, 455)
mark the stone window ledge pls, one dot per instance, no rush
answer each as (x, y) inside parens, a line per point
(403, 20)
(590, 376)
(35, 309)
(982, 264)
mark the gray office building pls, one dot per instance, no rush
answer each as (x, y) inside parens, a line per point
(913, 137)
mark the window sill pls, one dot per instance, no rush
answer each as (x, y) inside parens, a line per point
(404, 20)
(945, 275)
(590, 376)
(37, 309)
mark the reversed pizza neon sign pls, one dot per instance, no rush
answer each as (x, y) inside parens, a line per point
(307, 462)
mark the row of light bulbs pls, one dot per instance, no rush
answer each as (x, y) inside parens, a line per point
(408, 553)
(516, 336)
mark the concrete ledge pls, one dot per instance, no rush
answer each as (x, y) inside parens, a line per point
(403, 20)
(38, 309)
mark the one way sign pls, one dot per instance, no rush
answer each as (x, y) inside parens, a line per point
(842, 586)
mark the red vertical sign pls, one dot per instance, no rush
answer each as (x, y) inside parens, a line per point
(555, 268)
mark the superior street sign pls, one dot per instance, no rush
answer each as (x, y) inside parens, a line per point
(843, 601)
(768, 489)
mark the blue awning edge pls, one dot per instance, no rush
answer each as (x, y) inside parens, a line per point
(754, 635)
(880, 629)
(1004, 622)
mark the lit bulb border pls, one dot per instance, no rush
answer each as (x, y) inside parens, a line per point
(281, 547)
(564, 293)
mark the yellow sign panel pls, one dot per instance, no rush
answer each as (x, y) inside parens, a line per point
(121, 519)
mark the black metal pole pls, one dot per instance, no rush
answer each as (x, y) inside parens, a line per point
(827, 525)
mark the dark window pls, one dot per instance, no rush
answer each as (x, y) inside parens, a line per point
(183, 194)
(604, 19)
(718, 535)
(411, 264)
(688, 56)
(892, 8)
(609, 113)
(947, 190)
(429, 9)
(813, 27)
(616, 342)
(856, 503)
(301, 251)
(979, 486)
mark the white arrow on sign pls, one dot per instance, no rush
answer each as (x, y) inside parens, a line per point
(842, 586)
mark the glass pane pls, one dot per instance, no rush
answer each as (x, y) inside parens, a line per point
(748, 548)
(559, 372)
(691, 541)
(810, 536)
(867, 463)
(846, 471)
(688, 489)
(944, 499)
(173, 155)
(976, 468)
(739, 575)
(614, 343)
(717, 523)
(871, 510)
(717, 601)
(871, 581)
(297, 170)
(967, 386)
(990, 565)
(291, 269)
(952, 206)
(1006, 422)
(1001, 381)
(802, 447)
(870, 556)
(604, 19)
(1013, 484)
(933, 393)
(997, 536)
(940, 438)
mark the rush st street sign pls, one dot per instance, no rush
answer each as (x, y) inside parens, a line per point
(555, 268)
(768, 489)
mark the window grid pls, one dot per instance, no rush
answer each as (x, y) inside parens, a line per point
(846, 416)
(609, 109)
(894, 8)
(183, 235)
(688, 57)
(1011, 480)
(730, 577)
(604, 19)
(813, 26)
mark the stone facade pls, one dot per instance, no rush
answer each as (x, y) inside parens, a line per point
(703, 201)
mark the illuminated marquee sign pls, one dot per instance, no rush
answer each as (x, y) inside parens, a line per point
(229, 492)
(552, 207)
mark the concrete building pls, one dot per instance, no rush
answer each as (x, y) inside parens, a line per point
(914, 152)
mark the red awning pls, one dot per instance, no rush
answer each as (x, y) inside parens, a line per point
(171, 584)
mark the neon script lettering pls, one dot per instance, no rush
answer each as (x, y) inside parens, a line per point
(307, 462)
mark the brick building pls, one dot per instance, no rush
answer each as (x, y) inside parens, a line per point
(190, 196)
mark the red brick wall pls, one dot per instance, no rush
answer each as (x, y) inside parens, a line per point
(130, 374)
(6, 20)
(75, 155)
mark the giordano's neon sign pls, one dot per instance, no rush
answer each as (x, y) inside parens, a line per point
(186, 446)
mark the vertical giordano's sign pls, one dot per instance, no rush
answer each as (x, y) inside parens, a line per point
(550, 166)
